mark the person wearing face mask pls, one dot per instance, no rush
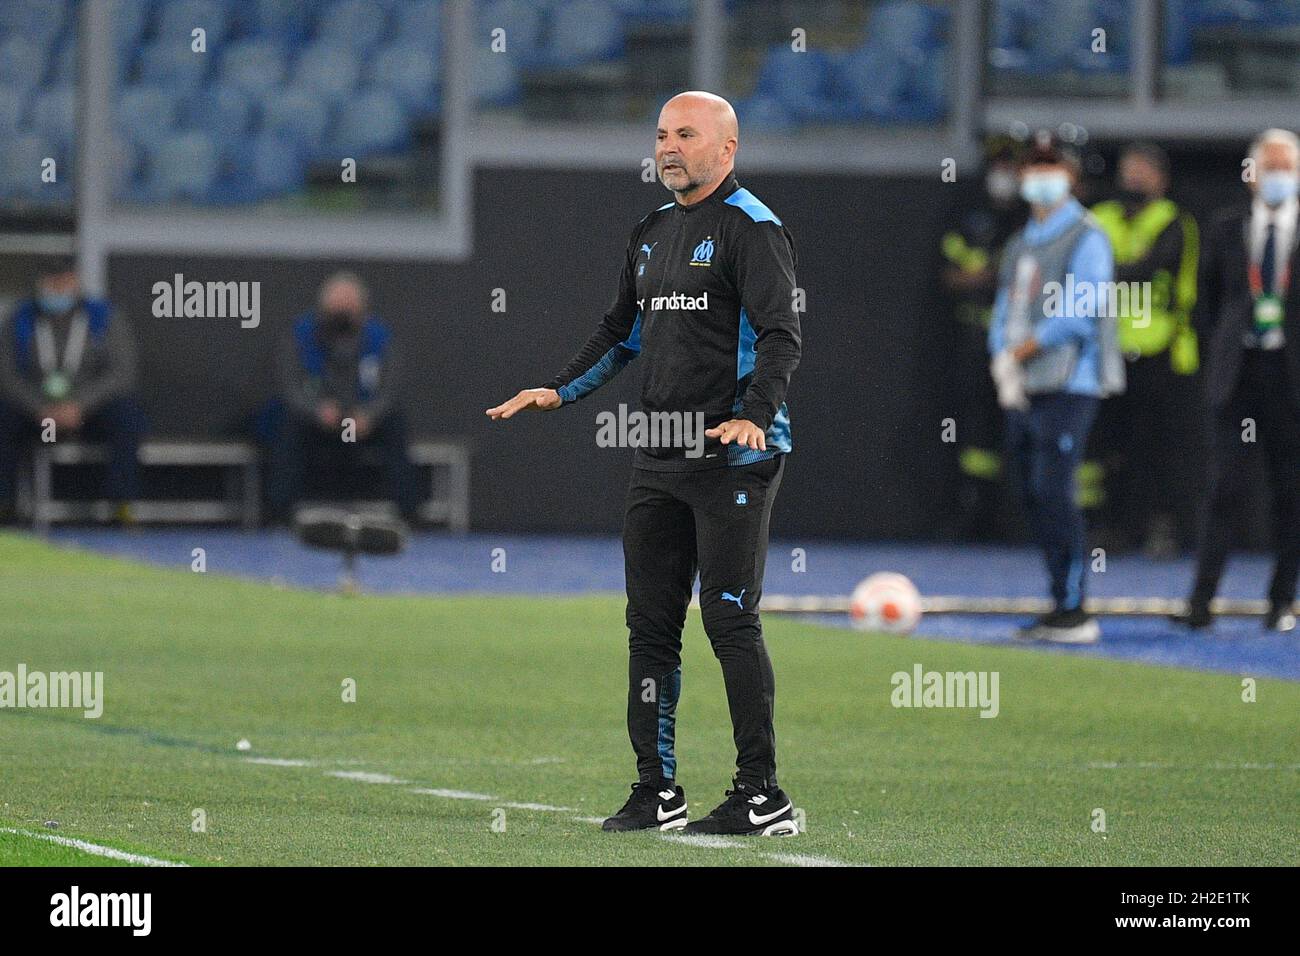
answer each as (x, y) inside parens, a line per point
(68, 369)
(337, 373)
(1055, 356)
(969, 275)
(1248, 318)
(1143, 434)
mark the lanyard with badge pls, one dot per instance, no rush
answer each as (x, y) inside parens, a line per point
(56, 376)
(1268, 305)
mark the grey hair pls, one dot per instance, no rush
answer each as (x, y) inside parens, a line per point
(1275, 135)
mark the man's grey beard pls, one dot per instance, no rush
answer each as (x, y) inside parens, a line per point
(703, 178)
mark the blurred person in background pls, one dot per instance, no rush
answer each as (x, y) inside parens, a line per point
(1248, 317)
(1145, 434)
(337, 377)
(1055, 356)
(969, 273)
(68, 370)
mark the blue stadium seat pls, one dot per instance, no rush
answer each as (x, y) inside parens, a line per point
(20, 166)
(254, 66)
(897, 75)
(329, 67)
(13, 108)
(925, 93)
(1004, 20)
(129, 22)
(494, 79)
(411, 71)
(35, 19)
(177, 18)
(1246, 14)
(371, 122)
(420, 22)
(147, 114)
(171, 63)
(1278, 13)
(904, 24)
(801, 83)
(183, 166)
(276, 165)
(656, 11)
(300, 114)
(765, 113)
(358, 23)
(1063, 32)
(874, 80)
(1177, 32)
(226, 112)
(22, 61)
(283, 20)
(523, 24)
(585, 31)
(54, 114)
(62, 67)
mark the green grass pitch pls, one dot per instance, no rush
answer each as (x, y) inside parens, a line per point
(520, 700)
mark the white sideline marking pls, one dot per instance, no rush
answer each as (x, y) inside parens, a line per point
(1152, 765)
(803, 859)
(364, 776)
(538, 806)
(94, 848)
(488, 798)
(703, 841)
(707, 841)
(453, 794)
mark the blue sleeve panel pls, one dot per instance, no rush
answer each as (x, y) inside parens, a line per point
(609, 365)
(997, 340)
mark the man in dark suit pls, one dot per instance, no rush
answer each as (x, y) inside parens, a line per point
(1248, 318)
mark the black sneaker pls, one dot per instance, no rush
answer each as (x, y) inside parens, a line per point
(650, 807)
(1029, 631)
(1196, 617)
(1280, 619)
(749, 811)
(1075, 626)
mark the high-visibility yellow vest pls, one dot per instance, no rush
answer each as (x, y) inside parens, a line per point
(968, 258)
(1172, 296)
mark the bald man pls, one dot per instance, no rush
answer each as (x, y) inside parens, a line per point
(707, 294)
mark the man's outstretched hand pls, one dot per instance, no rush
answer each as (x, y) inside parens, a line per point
(543, 398)
(740, 431)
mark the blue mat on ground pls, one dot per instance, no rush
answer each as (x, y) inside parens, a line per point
(543, 564)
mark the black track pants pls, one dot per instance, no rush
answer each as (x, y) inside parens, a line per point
(714, 522)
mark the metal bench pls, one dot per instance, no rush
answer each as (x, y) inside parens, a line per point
(240, 462)
(447, 504)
